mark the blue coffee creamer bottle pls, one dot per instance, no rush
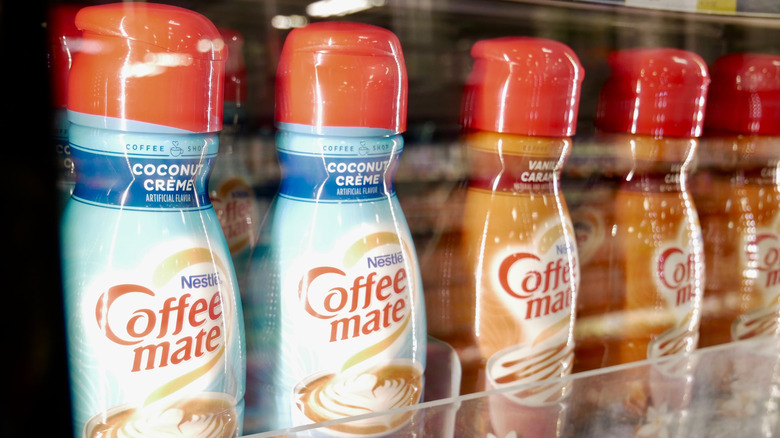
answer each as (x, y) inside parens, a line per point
(64, 42)
(154, 320)
(335, 313)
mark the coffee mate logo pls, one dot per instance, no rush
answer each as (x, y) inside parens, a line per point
(543, 279)
(762, 265)
(176, 327)
(525, 332)
(234, 204)
(676, 275)
(361, 299)
(590, 231)
(763, 254)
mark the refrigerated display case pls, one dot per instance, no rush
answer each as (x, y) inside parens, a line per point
(436, 36)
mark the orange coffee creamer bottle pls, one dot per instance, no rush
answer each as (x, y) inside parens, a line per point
(651, 113)
(742, 142)
(520, 109)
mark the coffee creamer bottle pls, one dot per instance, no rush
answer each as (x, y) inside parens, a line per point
(335, 314)
(230, 184)
(650, 113)
(64, 43)
(519, 111)
(154, 321)
(738, 181)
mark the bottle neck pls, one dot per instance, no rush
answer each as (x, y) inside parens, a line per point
(651, 164)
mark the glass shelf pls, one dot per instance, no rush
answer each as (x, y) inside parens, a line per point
(730, 390)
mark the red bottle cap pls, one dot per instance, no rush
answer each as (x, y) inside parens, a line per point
(657, 92)
(64, 41)
(150, 63)
(341, 74)
(235, 68)
(745, 94)
(524, 86)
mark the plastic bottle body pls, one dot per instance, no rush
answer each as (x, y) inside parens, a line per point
(521, 251)
(742, 297)
(660, 249)
(335, 310)
(155, 328)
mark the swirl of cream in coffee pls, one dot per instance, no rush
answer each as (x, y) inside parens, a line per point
(764, 321)
(381, 388)
(678, 340)
(552, 359)
(197, 417)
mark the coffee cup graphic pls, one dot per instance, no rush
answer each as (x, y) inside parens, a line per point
(536, 406)
(204, 415)
(327, 396)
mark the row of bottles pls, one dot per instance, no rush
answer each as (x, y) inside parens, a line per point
(183, 295)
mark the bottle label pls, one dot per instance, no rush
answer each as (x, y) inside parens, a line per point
(235, 204)
(337, 269)
(338, 169)
(677, 279)
(517, 173)
(526, 327)
(355, 313)
(156, 341)
(662, 260)
(134, 171)
(760, 267)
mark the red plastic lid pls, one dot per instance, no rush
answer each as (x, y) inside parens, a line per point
(235, 68)
(657, 92)
(745, 94)
(151, 63)
(64, 41)
(524, 86)
(342, 74)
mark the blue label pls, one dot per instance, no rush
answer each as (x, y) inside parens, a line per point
(329, 178)
(334, 169)
(142, 172)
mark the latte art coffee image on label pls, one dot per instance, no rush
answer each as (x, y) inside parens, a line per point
(361, 312)
(202, 416)
(328, 396)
